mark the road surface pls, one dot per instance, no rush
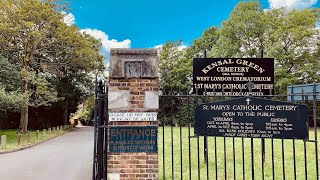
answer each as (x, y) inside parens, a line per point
(68, 157)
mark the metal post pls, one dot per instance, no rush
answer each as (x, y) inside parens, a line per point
(100, 131)
(263, 144)
(314, 110)
(106, 133)
(95, 129)
(250, 86)
(205, 138)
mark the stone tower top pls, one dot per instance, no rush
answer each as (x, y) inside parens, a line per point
(133, 63)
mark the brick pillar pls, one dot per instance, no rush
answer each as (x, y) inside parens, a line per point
(133, 105)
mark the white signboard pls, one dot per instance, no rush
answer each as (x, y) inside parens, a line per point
(133, 116)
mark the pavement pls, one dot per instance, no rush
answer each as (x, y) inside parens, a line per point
(67, 157)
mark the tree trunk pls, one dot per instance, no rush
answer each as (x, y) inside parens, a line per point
(24, 119)
(66, 112)
(24, 111)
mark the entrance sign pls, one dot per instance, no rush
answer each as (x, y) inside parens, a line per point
(229, 76)
(133, 139)
(133, 116)
(252, 117)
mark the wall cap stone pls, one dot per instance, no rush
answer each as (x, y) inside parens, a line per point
(133, 63)
(131, 51)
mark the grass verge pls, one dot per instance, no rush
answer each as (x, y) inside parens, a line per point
(12, 138)
(175, 161)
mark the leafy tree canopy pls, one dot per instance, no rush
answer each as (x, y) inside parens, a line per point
(44, 50)
(289, 36)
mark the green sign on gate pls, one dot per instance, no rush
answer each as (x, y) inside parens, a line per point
(133, 139)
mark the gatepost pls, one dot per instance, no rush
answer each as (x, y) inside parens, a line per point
(133, 103)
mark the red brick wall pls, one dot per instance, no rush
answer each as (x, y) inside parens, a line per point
(140, 166)
(134, 165)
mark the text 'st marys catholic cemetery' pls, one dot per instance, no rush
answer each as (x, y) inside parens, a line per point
(246, 116)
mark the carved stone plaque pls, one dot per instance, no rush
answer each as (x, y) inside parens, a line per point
(133, 69)
(133, 63)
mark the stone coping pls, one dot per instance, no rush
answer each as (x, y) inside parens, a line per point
(116, 51)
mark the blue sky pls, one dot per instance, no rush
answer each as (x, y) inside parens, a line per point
(148, 23)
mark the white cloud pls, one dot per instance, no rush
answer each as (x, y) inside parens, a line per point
(180, 48)
(158, 46)
(69, 18)
(107, 43)
(292, 4)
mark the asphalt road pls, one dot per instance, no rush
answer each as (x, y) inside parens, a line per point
(68, 157)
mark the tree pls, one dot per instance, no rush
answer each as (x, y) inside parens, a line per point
(34, 38)
(85, 111)
(293, 39)
(172, 68)
(206, 42)
(243, 33)
(80, 57)
(290, 36)
(10, 98)
(176, 65)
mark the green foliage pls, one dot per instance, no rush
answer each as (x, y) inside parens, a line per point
(293, 41)
(12, 100)
(176, 110)
(207, 41)
(9, 75)
(51, 60)
(289, 36)
(44, 93)
(173, 68)
(175, 64)
(242, 34)
(34, 38)
(86, 110)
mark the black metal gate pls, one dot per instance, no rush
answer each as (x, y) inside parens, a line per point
(100, 161)
(185, 156)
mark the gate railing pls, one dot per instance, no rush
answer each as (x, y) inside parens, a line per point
(100, 161)
(185, 156)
